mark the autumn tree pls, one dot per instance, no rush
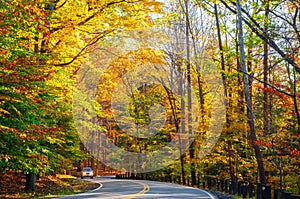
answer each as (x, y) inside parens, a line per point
(42, 47)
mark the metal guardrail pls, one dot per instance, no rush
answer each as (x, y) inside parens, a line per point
(239, 188)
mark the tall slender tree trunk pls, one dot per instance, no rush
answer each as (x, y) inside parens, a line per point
(196, 142)
(182, 129)
(92, 147)
(221, 53)
(30, 182)
(179, 129)
(231, 168)
(296, 101)
(31, 178)
(249, 67)
(265, 71)
(250, 116)
(202, 109)
(189, 92)
(172, 102)
(241, 103)
(293, 85)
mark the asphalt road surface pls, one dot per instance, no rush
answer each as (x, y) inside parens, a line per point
(111, 188)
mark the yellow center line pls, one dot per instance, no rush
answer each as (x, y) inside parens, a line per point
(146, 188)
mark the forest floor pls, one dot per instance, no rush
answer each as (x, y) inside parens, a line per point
(13, 186)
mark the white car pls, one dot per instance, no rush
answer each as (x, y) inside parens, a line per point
(87, 172)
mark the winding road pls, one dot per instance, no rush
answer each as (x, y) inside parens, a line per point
(111, 188)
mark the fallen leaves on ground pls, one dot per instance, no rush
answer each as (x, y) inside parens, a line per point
(13, 186)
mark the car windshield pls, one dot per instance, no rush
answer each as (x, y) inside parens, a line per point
(87, 169)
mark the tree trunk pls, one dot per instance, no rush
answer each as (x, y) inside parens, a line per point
(233, 177)
(228, 106)
(241, 103)
(189, 92)
(182, 129)
(92, 149)
(250, 116)
(221, 53)
(293, 85)
(196, 143)
(30, 182)
(296, 101)
(255, 27)
(172, 102)
(266, 79)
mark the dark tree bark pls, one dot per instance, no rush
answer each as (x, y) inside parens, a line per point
(30, 182)
(231, 168)
(195, 144)
(293, 85)
(241, 103)
(265, 71)
(182, 129)
(92, 148)
(189, 91)
(172, 102)
(250, 116)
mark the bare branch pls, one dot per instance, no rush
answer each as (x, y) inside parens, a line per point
(261, 81)
(101, 10)
(61, 4)
(259, 32)
(92, 42)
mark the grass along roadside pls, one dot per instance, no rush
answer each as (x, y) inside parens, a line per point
(13, 186)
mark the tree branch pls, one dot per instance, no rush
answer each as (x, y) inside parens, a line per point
(293, 25)
(101, 10)
(92, 42)
(261, 81)
(259, 32)
(61, 5)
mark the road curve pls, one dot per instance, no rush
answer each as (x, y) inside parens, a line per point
(173, 191)
(127, 189)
